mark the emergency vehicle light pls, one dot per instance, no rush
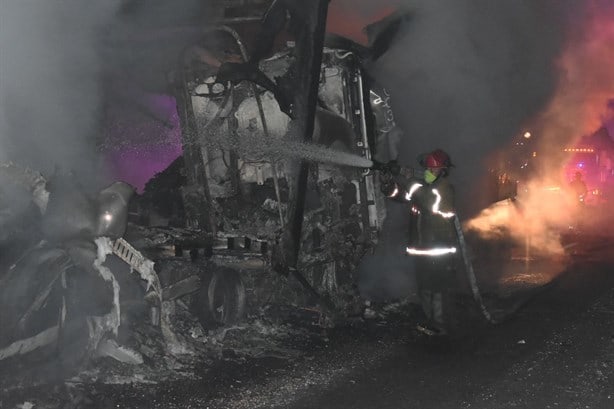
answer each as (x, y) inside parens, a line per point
(583, 150)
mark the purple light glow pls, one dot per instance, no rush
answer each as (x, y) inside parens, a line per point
(139, 145)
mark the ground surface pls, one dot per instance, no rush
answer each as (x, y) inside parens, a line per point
(556, 351)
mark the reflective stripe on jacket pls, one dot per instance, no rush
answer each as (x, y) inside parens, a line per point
(432, 231)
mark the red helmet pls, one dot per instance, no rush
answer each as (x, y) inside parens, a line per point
(437, 159)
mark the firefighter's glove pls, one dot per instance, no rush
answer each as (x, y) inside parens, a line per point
(388, 187)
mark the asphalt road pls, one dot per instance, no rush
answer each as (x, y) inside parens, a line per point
(557, 351)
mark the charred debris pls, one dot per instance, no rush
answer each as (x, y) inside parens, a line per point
(252, 226)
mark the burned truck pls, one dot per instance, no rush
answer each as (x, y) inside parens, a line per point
(271, 202)
(63, 262)
(272, 186)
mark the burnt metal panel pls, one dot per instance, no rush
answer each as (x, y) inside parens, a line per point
(308, 20)
(197, 197)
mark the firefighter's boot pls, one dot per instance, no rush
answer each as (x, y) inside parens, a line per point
(432, 304)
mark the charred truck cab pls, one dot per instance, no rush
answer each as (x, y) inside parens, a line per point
(244, 140)
(261, 138)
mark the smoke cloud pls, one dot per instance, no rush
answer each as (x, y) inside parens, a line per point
(57, 58)
(579, 105)
(464, 76)
(61, 63)
(50, 90)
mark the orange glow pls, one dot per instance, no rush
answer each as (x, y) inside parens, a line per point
(545, 206)
(543, 209)
(578, 106)
(348, 19)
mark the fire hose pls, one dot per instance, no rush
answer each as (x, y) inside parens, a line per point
(473, 282)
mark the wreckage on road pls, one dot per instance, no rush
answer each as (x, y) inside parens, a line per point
(268, 143)
(264, 198)
(58, 294)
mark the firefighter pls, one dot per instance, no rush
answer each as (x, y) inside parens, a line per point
(432, 236)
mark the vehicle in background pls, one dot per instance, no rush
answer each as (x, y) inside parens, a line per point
(593, 158)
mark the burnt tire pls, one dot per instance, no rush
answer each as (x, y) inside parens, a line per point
(221, 299)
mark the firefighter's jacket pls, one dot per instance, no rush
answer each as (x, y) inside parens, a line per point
(432, 231)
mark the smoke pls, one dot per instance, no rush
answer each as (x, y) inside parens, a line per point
(50, 90)
(60, 66)
(387, 277)
(576, 109)
(56, 58)
(538, 216)
(464, 76)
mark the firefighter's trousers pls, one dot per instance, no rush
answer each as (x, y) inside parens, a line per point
(432, 304)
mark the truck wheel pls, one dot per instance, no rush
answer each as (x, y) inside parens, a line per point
(221, 300)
